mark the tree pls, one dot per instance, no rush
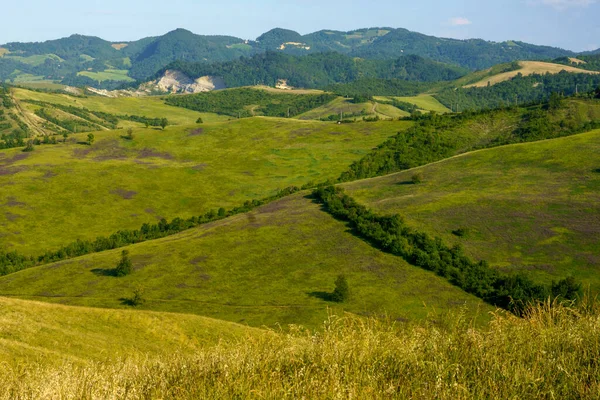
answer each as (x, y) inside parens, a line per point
(90, 138)
(65, 136)
(341, 293)
(129, 133)
(164, 122)
(597, 93)
(125, 267)
(138, 296)
(199, 120)
(555, 101)
(29, 146)
(416, 178)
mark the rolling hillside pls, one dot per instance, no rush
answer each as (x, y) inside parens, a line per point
(53, 334)
(61, 192)
(528, 207)
(66, 58)
(529, 68)
(274, 265)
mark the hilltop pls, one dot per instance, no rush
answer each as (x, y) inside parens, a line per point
(526, 207)
(82, 60)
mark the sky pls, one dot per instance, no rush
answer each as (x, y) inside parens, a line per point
(569, 24)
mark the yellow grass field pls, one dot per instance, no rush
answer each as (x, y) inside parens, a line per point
(529, 68)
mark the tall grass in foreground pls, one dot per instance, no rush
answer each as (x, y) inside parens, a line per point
(551, 353)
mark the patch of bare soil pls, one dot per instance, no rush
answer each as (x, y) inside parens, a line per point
(148, 153)
(125, 194)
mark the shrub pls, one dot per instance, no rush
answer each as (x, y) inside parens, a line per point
(341, 293)
(416, 178)
(125, 267)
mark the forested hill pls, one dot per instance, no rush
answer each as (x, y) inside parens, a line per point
(389, 43)
(82, 59)
(318, 70)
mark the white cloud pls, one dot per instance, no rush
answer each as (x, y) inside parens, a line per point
(459, 21)
(564, 4)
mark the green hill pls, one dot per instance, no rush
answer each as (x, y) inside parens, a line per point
(527, 207)
(65, 191)
(274, 265)
(62, 59)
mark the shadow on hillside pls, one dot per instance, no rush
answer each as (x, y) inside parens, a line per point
(405, 183)
(322, 295)
(597, 170)
(127, 302)
(104, 272)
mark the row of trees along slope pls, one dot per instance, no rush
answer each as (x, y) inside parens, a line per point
(435, 137)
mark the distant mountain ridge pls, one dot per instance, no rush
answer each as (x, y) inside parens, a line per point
(80, 60)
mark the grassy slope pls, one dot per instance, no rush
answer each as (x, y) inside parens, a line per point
(108, 75)
(269, 266)
(529, 68)
(62, 192)
(152, 107)
(424, 102)
(551, 354)
(341, 104)
(53, 333)
(531, 207)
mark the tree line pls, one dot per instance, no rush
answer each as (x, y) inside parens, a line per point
(435, 137)
(389, 233)
(12, 261)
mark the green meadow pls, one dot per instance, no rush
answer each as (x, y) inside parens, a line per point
(273, 266)
(71, 190)
(424, 102)
(527, 207)
(345, 106)
(108, 75)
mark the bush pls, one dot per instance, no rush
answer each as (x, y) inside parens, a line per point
(341, 293)
(125, 267)
(416, 178)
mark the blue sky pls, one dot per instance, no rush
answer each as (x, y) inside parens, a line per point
(570, 24)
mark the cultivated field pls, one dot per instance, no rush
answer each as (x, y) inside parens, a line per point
(528, 207)
(529, 68)
(151, 107)
(424, 102)
(108, 75)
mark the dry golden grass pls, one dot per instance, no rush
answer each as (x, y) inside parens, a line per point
(552, 353)
(576, 60)
(286, 91)
(119, 46)
(3, 51)
(529, 68)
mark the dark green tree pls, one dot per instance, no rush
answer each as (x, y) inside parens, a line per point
(125, 267)
(341, 293)
(199, 120)
(29, 146)
(416, 178)
(164, 122)
(90, 138)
